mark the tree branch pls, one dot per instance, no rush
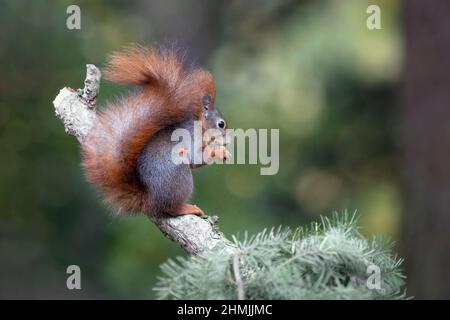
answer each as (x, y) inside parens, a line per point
(76, 109)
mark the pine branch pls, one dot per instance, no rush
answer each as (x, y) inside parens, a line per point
(326, 261)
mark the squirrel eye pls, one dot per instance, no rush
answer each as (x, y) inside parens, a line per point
(221, 124)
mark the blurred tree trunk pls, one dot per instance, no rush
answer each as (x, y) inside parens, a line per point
(425, 139)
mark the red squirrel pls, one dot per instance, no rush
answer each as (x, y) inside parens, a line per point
(127, 153)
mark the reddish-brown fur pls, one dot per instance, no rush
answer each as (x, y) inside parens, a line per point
(169, 95)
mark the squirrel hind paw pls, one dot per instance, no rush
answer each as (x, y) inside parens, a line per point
(185, 209)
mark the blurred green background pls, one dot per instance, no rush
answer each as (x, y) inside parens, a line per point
(310, 68)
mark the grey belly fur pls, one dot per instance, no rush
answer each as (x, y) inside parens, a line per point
(168, 184)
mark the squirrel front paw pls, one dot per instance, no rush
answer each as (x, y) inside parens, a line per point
(220, 153)
(183, 152)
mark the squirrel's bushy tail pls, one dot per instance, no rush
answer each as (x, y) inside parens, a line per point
(169, 95)
(139, 65)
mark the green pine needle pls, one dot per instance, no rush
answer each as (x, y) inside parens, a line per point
(329, 260)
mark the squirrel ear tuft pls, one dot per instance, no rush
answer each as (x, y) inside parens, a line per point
(203, 82)
(206, 101)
